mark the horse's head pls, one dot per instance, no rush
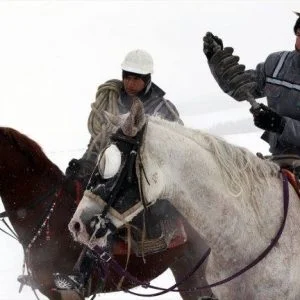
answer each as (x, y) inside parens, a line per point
(112, 195)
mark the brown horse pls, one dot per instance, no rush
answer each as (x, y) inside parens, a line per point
(40, 201)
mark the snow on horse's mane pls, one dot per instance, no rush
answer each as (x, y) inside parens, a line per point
(240, 167)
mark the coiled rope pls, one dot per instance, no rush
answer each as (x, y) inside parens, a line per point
(107, 97)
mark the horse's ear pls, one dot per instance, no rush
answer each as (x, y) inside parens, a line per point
(111, 119)
(136, 119)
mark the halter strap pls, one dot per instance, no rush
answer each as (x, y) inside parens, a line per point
(129, 165)
(12, 234)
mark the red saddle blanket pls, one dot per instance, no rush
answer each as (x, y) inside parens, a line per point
(293, 180)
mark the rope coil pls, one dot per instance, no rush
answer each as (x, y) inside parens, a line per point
(107, 98)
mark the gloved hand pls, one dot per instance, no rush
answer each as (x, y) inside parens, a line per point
(222, 63)
(242, 86)
(73, 168)
(211, 45)
(267, 119)
(229, 74)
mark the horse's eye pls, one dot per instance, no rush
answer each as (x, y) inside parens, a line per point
(110, 161)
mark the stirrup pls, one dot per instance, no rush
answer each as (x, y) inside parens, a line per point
(68, 282)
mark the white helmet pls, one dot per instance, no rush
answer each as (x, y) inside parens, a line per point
(139, 62)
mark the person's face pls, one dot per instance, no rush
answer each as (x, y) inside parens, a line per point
(133, 85)
(297, 45)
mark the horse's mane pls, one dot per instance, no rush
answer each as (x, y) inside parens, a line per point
(240, 167)
(29, 148)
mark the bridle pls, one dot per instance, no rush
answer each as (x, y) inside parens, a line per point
(129, 147)
(55, 193)
(41, 199)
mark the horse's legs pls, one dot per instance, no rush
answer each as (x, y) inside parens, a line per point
(192, 254)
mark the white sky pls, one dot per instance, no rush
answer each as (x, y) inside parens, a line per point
(54, 54)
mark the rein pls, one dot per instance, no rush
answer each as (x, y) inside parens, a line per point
(56, 192)
(268, 249)
(12, 234)
(105, 257)
(49, 211)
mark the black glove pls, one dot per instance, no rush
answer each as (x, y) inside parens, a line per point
(229, 74)
(242, 86)
(73, 168)
(267, 119)
(211, 45)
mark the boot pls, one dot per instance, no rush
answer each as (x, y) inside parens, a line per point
(78, 279)
(69, 282)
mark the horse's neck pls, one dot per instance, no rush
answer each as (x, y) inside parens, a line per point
(189, 176)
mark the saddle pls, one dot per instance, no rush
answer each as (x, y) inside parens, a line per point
(290, 163)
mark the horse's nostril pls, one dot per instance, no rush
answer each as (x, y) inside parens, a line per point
(76, 226)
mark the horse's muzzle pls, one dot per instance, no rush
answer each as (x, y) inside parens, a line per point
(99, 226)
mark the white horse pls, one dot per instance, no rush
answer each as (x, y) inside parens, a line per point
(231, 197)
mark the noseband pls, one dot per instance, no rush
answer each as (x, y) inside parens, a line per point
(125, 180)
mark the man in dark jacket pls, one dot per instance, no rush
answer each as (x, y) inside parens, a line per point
(278, 79)
(115, 96)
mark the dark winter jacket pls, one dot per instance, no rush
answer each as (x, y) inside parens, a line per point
(278, 79)
(154, 104)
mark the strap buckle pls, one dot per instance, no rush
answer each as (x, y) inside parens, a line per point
(105, 257)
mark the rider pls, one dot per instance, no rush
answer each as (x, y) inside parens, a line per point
(115, 97)
(277, 78)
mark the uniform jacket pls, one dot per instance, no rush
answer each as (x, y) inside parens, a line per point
(154, 103)
(278, 79)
